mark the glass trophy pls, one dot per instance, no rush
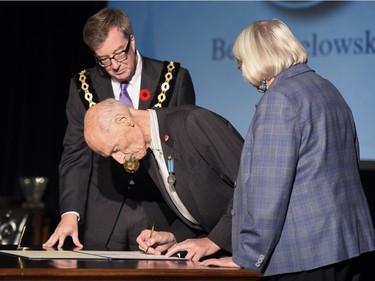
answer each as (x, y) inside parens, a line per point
(33, 189)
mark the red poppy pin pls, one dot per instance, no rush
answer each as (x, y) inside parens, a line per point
(166, 137)
(145, 95)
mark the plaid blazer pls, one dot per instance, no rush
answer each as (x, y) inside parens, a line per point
(299, 203)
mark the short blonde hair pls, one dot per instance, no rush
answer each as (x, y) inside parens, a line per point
(265, 48)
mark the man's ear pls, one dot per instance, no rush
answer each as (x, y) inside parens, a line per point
(120, 118)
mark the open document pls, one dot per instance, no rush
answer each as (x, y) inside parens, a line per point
(86, 255)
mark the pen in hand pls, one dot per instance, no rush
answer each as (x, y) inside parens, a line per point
(152, 230)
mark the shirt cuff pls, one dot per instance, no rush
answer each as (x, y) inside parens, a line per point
(72, 212)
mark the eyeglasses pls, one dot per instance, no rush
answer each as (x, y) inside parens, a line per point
(119, 57)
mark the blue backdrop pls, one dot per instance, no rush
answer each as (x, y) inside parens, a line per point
(339, 37)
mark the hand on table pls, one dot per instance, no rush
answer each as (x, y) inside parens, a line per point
(196, 248)
(68, 226)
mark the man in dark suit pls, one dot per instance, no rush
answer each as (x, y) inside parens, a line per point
(100, 202)
(193, 156)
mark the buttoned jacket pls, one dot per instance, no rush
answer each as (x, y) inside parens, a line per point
(299, 202)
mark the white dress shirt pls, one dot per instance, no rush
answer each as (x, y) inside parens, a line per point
(134, 86)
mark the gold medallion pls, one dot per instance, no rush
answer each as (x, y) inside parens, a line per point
(131, 165)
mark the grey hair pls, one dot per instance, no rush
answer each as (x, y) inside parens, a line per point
(101, 117)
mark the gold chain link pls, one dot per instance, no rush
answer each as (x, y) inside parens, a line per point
(161, 97)
(85, 88)
(165, 86)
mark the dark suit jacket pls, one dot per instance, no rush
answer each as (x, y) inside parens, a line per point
(206, 149)
(93, 186)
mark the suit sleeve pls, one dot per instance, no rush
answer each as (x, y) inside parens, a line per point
(218, 142)
(76, 159)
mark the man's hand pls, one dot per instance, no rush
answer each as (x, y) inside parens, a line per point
(196, 248)
(68, 226)
(222, 262)
(159, 242)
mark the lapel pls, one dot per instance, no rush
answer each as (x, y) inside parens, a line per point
(182, 186)
(149, 81)
(169, 143)
(153, 168)
(102, 84)
(166, 138)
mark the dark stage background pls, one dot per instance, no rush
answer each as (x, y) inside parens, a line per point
(41, 48)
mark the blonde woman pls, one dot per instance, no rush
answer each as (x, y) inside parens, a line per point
(299, 211)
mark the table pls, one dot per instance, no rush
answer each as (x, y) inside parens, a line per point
(14, 268)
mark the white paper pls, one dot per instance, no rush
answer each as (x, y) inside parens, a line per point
(87, 255)
(51, 255)
(130, 255)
